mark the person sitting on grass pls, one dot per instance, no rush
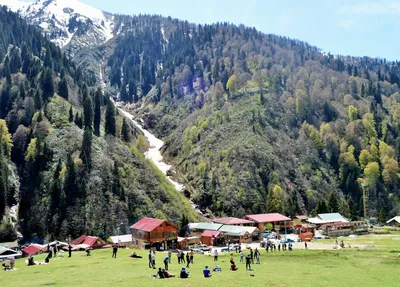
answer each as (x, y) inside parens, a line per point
(160, 273)
(233, 266)
(207, 272)
(184, 274)
(5, 267)
(31, 262)
(217, 268)
(167, 274)
(88, 252)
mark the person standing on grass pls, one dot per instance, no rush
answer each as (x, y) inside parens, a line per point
(153, 259)
(215, 255)
(166, 259)
(12, 261)
(178, 255)
(248, 262)
(183, 257)
(305, 244)
(191, 256)
(50, 251)
(252, 256)
(55, 250)
(257, 256)
(150, 262)
(279, 246)
(187, 260)
(115, 249)
(169, 256)
(241, 256)
(69, 250)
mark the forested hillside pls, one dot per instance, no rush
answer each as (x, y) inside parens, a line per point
(68, 160)
(262, 123)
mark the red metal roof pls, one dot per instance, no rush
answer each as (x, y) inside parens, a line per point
(79, 240)
(268, 217)
(147, 224)
(210, 233)
(31, 249)
(232, 220)
(90, 240)
(301, 217)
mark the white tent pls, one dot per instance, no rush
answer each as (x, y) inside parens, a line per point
(127, 238)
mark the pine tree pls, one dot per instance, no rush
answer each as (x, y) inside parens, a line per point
(110, 125)
(47, 84)
(38, 100)
(88, 113)
(86, 150)
(63, 88)
(125, 132)
(71, 182)
(71, 114)
(321, 207)
(333, 203)
(78, 120)
(97, 112)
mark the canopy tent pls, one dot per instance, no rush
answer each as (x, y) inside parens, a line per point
(7, 253)
(122, 239)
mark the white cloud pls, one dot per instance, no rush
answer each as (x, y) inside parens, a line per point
(372, 8)
(347, 24)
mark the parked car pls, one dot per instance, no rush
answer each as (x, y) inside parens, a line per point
(233, 247)
(205, 247)
(198, 251)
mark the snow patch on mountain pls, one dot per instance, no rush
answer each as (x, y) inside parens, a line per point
(67, 20)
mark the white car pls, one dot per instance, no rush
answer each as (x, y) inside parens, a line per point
(198, 251)
(205, 247)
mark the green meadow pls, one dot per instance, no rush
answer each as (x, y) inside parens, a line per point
(377, 265)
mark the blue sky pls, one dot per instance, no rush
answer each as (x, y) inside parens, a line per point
(352, 27)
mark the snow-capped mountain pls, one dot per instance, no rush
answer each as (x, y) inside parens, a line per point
(71, 24)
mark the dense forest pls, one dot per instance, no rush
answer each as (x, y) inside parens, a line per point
(252, 123)
(69, 160)
(262, 123)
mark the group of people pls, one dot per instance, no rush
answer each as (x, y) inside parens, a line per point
(271, 246)
(10, 266)
(189, 257)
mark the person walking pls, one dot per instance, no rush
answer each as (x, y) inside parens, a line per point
(150, 261)
(178, 255)
(215, 255)
(166, 260)
(114, 253)
(279, 246)
(69, 250)
(305, 244)
(248, 262)
(252, 256)
(241, 256)
(169, 256)
(187, 260)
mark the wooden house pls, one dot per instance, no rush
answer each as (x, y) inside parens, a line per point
(150, 232)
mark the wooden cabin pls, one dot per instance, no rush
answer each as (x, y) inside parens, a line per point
(154, 233)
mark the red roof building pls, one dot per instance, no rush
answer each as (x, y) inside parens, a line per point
(85, 242)
(209, 237)
(272, 218)
(154, 232)
(32, 249)
(234, 221)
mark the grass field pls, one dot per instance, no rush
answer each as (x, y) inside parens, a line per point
(347, 267)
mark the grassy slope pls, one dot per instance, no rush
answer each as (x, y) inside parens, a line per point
(299, 268)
